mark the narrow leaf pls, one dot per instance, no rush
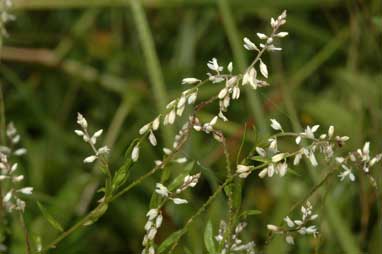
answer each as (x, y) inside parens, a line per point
(209, 238)
(52, 221)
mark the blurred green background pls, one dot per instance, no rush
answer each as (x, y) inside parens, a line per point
(119, 62)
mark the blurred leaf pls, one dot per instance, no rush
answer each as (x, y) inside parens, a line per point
(250, 213)
(52, 221)
(169, 241)
(209, 238)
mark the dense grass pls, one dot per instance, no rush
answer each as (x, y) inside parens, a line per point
(120, 63)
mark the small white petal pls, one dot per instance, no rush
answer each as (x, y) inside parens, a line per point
(278, 157)
(275, 125)
(263, 69)
(261, 36)
(26, 190)
(79, 132)
(152, 139)
(179, 201)
(190, 81)
(98, 133)
(144, 129)
(135, 153)
(90, 159)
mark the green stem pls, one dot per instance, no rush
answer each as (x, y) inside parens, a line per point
(199, 212)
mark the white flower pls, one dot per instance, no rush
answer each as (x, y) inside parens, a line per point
(230, 67)
(235, 93)
(152, 213)
(90, 159)
(298, 140)
(144, 128)
(192, 98)
(171, 116)
(82, 121)
(151, 234)
(26, 190)
(263, 69)
(223, 93)
(261, 36)
(158, 221)
(152, 139)
(161, 190)
(249, 45)
(167, 151)
(330, 131)
(282, 168)
(278, 157)
(20, 152)
(289, 222)
(273, 228)
(213, 65)
(79, 133)
(98, 133)
(313, 159)
(103, 150)
(276, 125)
(346, 173)
(156, 123)
(281, 34)
(243, 170)
(135, 153)
(181, 160)
(309, 131)
(289, 239)
(190, 81)
(297, 159)
(179, 201)
(7, 196)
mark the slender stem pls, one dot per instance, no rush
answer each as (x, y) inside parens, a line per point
(231, 213)
(70, 230)
(200, 211)
(26, 234)
(2, 142)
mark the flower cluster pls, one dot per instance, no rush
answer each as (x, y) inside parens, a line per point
(235, 245)
(301, 226)
(5, 16)
(154, 215)
(361, 157)
(189, 181)
(90, 139)
(275, 161)
(154, 221)
(8, 172)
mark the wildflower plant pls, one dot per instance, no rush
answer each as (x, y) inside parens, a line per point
(265, 160)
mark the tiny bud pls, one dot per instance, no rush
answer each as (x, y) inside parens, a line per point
(135, 153)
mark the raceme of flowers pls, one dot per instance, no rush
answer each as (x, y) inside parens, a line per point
(90, 139)
(154, 216)
(9, 176)
(301, 226)
(235, 244)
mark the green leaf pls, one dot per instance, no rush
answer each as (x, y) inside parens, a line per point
(96, 214)
(209, 238)
(122, 174)
(169, 241)
(250, 213)
(52, 221)
(259, 158)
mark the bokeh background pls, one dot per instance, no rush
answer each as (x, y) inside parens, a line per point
(118, 63)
